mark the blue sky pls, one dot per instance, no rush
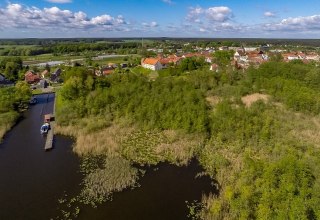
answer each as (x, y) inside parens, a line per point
(160, 18)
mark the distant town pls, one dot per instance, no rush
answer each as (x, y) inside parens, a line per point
(104, 59)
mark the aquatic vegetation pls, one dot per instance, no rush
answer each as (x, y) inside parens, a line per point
(116, 175)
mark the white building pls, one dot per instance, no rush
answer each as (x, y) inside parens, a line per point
(151, 63)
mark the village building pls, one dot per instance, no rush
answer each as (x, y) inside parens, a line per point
(290, 56)
(151, 63)
(55, 76)
(214, 67)
(105, 71)
(313, 57)
(250, 49)
(43, 84)
(44, 74)
(31, 77)
(51, 64)
(170, 60)
(225, 48)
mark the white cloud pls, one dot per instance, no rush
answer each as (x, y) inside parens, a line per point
(54, 18)
(194, 14)
(212, 19)
(60, 1)
(152, 24)
(212, 14)
(203, 30)
(308, 23)
(269, 14)
(170, 2)
(218, 14)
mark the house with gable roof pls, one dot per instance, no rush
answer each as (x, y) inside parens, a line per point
(151, 63)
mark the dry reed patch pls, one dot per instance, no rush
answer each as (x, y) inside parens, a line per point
(213, 100)
(69, 130)
(301, 127)
(151, 147)
(179, 148)
(250, 99)
(107, 141)
(103, 141)
(316, 121)
(308, 130)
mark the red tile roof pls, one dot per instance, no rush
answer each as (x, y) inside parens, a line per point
(31, 77)
(150, 61)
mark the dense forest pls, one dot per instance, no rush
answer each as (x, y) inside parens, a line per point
(12, 68)
(67, 48)
(33, 47)
(255, 132)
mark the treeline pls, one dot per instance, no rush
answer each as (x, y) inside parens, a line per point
(186, 65)
(163, 104)
(295, 84)
(12, 100)
(67, 48)
(48, 41)
(12, 68)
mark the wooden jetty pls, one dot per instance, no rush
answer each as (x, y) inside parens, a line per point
(49, 118)
(49, 141)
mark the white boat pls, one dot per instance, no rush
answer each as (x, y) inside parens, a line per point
(33, 101)
(45, 128)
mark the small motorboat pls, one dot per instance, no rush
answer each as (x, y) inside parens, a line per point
(33, 101)
(45, 128)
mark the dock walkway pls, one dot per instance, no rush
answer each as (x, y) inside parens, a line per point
(50, 136)
(49, 141)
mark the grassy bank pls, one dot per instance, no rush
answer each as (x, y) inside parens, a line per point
(12, 101)
(7, 120)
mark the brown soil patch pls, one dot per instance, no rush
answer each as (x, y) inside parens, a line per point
(213, 100)
(249, 99)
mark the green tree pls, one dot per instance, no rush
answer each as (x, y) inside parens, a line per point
(223, 58)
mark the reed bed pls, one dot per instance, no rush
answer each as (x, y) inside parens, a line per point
(151, 147)
(117, 174)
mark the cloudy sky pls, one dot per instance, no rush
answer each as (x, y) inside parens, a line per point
(160, 18)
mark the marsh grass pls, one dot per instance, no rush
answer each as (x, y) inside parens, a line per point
(116, 175)
(104, 141)
(139, 146)
(103, 176)
(151, 147)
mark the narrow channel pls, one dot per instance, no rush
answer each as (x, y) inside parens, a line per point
(32, 180)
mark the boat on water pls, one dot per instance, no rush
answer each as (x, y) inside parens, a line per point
(45, 128)
(33, 101)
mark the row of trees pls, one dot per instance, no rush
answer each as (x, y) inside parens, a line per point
(12, 100)
(67, 48)
(295, 84)
(164, 104)
(12, 67)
